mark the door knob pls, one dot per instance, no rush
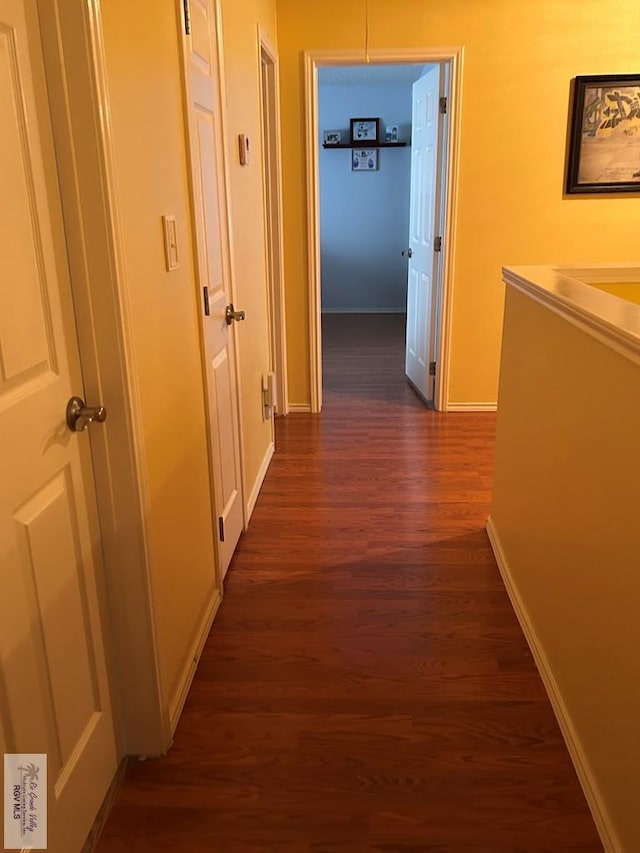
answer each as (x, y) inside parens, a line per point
(408, 253)
(79, 415)
(231, 314)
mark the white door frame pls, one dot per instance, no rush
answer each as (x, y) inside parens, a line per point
(272, 190)
(71, 32)
(452, 57)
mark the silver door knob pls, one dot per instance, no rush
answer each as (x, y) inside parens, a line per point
(408, 253)
(231, 314)
(79, 415)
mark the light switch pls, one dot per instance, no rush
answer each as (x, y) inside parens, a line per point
(244, 149)
(170, 231)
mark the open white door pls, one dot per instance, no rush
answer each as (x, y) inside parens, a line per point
(210, 214)
(54, 691)
(423, 250)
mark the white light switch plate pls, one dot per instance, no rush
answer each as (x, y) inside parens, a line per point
(170, 231)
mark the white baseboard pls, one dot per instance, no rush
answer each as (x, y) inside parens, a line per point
(364, 311)
(262, 473)
(472, 407)
(589, 784)
(297, 408)
(193, 658)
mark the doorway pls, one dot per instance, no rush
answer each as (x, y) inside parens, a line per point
(449, 61)
(364, 214)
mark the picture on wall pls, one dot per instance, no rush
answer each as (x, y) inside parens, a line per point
(604, 147)
(364, 160)
(332, 137)
(365, 130)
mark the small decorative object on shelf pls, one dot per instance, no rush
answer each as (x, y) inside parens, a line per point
(332, 137)
(364, 160)
(391, 133)
(365, 130)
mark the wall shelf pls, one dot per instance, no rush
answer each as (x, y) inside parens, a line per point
(365, 145)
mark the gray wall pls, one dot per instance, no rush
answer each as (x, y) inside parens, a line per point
(364, 216)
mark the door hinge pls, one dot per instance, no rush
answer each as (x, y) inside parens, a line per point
(187, 17)
(432, 368)
(437, 244)
(205, 295)
(221, 527)
(443, 99)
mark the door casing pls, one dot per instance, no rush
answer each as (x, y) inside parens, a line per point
(452, 60)
(271, 148)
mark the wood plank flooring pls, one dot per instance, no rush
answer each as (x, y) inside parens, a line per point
(366, 686)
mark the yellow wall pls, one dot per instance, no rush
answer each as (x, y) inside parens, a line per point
(519, 59)
(565, 511)
(143, 63)
(242, 77)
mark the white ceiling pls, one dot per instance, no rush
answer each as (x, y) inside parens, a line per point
(355, 75)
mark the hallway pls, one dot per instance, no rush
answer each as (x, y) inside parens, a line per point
(366, 685)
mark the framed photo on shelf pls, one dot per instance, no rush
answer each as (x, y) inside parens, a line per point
(365, 130)
(604, 140)
(391, 133)
(332, 137)
(364, 159)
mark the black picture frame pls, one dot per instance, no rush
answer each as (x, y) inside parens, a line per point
(332, 137)
(604, 140)
(364, 130)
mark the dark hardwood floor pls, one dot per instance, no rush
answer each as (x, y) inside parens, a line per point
(366, 686)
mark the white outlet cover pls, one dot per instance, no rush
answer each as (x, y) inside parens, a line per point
(170, 231)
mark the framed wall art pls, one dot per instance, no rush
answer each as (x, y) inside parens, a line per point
(365, 130)
(604, 141)
(332, 137)
(364, 159)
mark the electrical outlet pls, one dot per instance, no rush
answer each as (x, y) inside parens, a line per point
(244, 148)
(268, 396)
(170, 231)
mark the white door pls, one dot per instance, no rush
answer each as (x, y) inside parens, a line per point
(213, 273)
(423, 258)
(54, 692)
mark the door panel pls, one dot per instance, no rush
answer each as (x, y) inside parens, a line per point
(48, 536)
(422, 225)
(54, 692)
(25, 324)
(213, 274)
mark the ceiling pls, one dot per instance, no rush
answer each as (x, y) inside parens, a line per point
(354, 75)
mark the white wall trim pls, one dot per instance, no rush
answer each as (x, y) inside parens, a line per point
(262, 473)
(311, 62)
(472, 407)
(300, 408)
(363, 311)
(193, 656)
(587, 779)
(313, 59)
(607, 318)
(274, 231)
